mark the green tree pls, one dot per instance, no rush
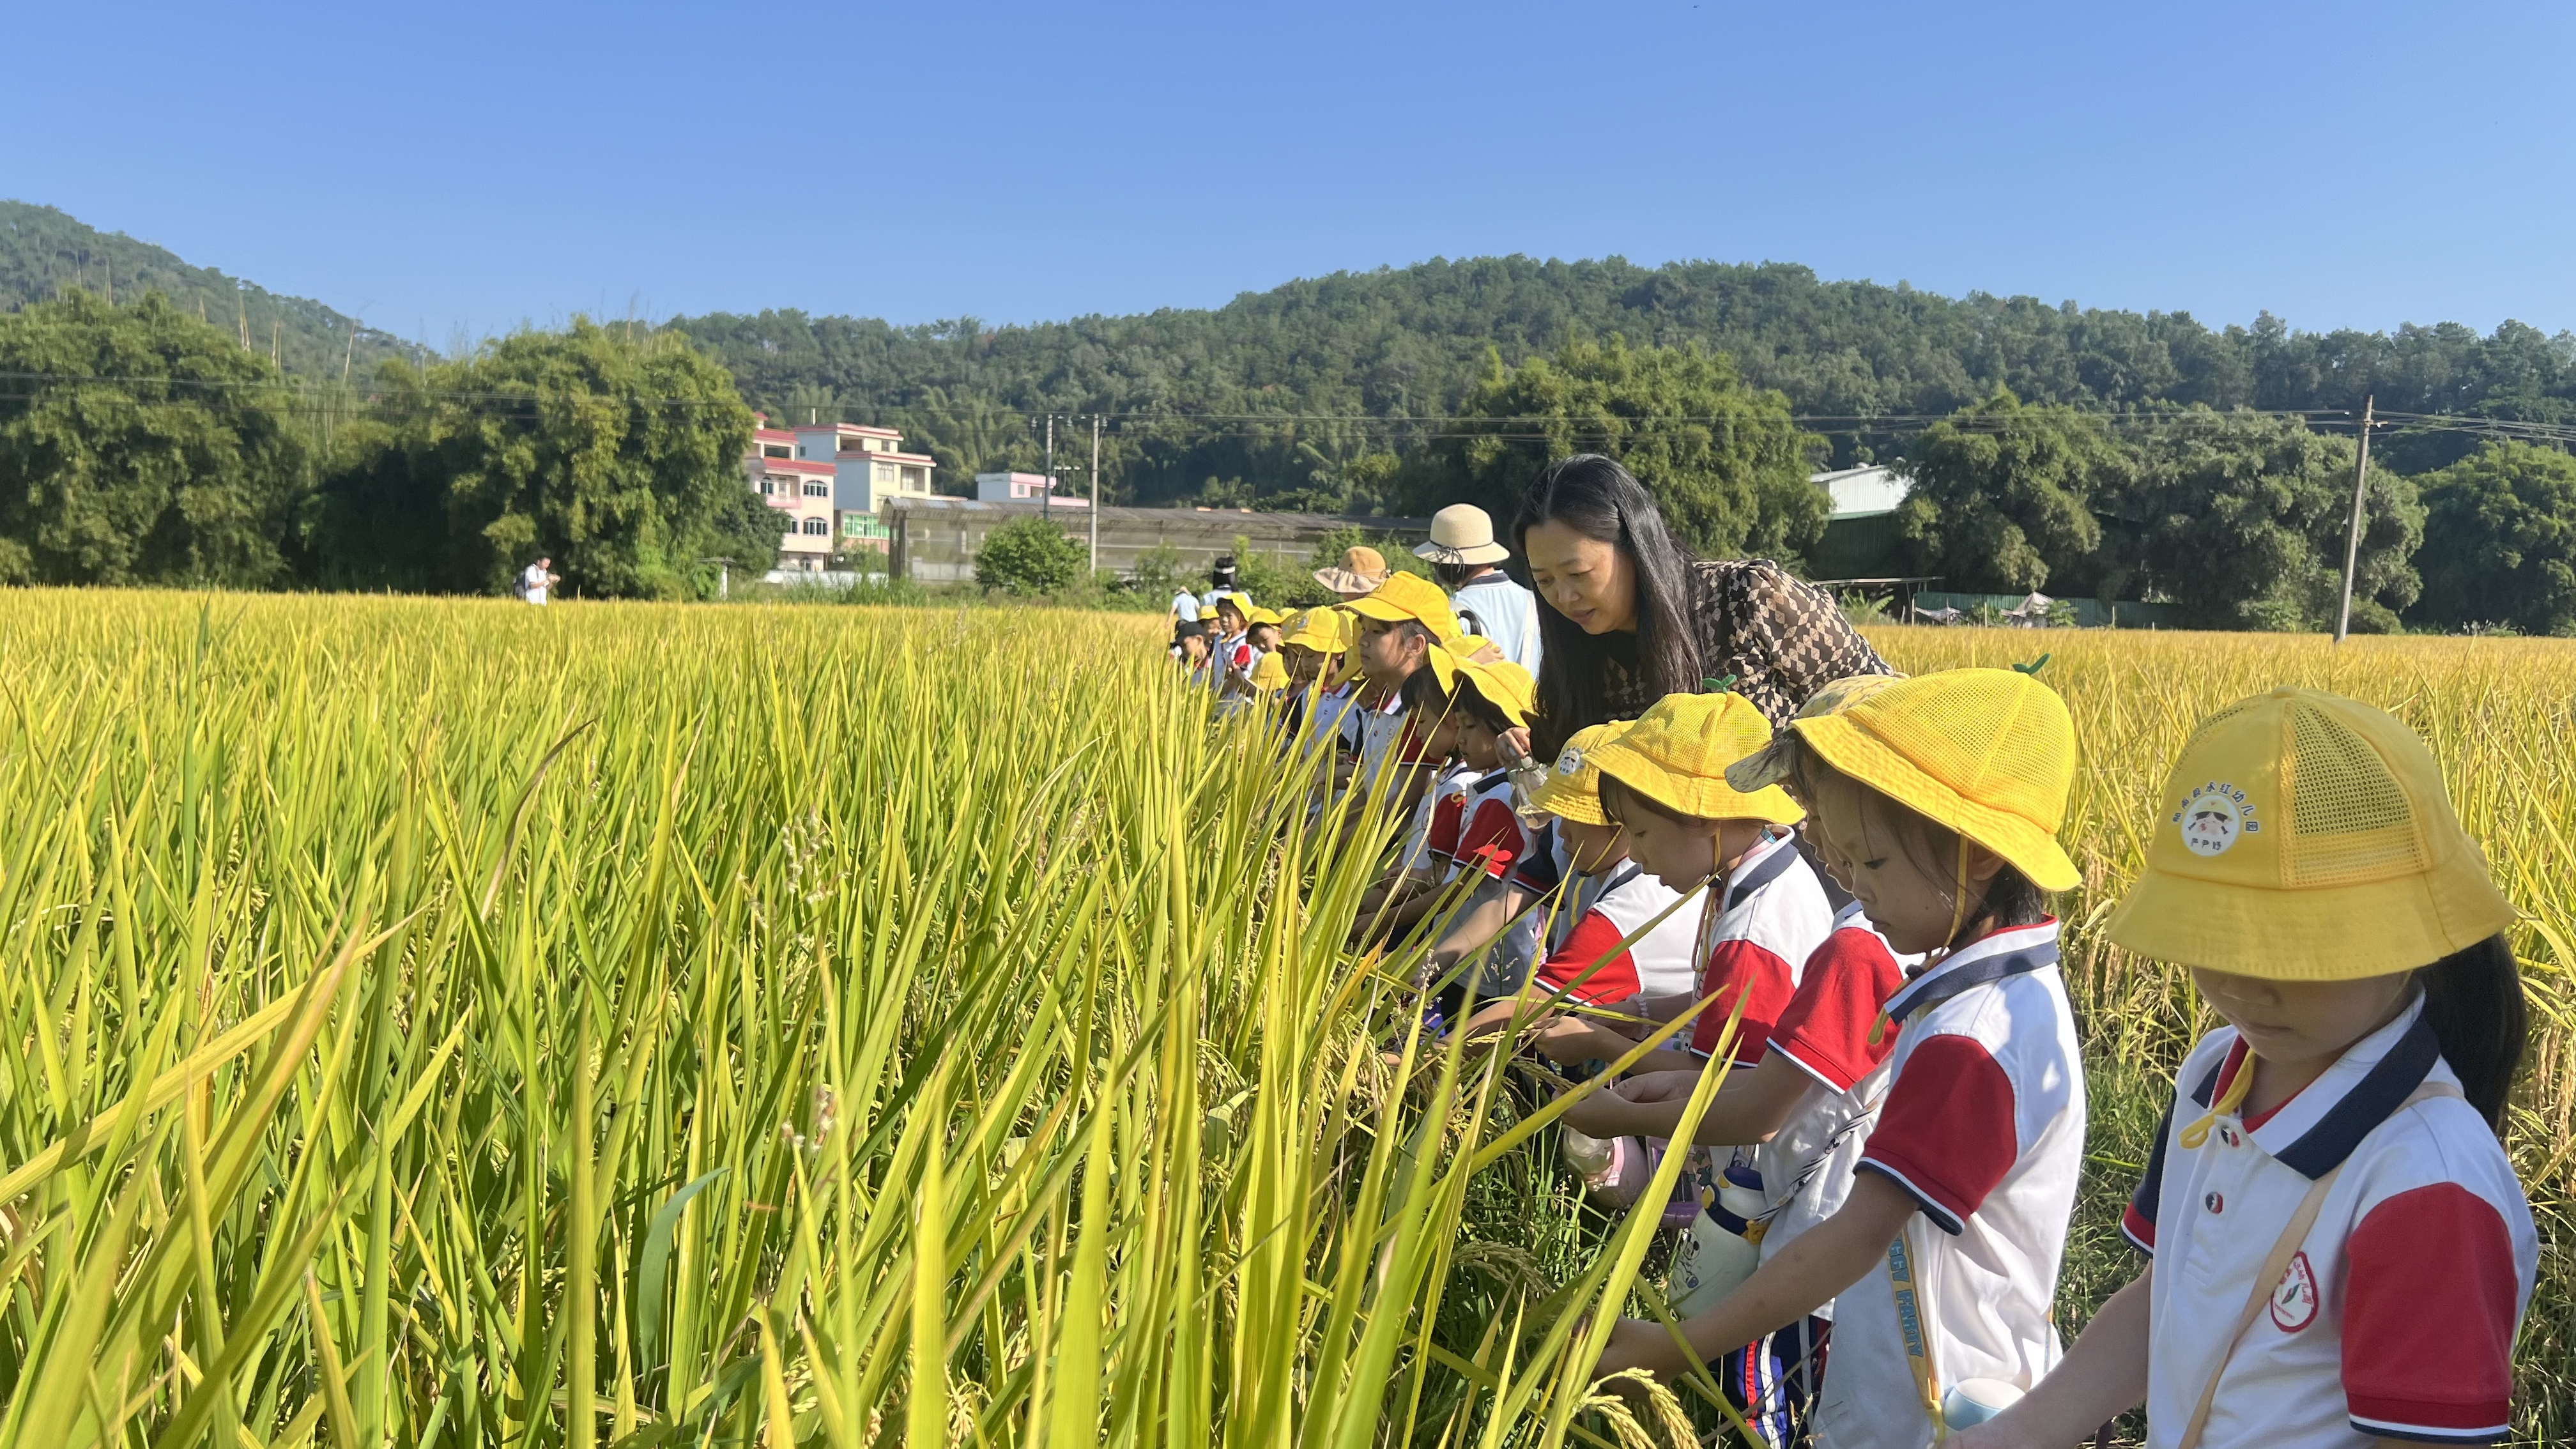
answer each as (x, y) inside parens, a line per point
(2500, 539)
(1724, 460)
(617, 452)
(1030, 555)
(142, 446)
(2002, 497)
(2241, 518)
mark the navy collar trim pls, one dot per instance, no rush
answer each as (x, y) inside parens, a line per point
(1960, 980)
(2373, 1100)
(1766, 870)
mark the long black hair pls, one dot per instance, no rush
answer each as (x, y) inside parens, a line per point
(2473, 998)
(1604, 502)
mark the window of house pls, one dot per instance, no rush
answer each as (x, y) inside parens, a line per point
(776, 450)
(917, 479)
(816, 526)
(817, 490)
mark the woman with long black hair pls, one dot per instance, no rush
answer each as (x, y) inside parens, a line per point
(1631, 616)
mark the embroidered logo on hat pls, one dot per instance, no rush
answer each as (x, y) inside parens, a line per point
(2212, 816)
(1571, 762)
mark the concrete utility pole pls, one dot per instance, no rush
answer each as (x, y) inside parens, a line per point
(1095, 493)
(2352, 540)
(1046, 499)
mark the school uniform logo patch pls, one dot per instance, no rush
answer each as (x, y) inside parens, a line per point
(2294, 1298)
(1570, 762)
(2213, 817)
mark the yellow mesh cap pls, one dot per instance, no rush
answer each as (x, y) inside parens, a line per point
(1241, 601)
(1573, 786)
(2307, 837)
(1769, 765)
(1410, 596)
(1270, 673)
(1326, 631)
(1504, 685)
(1988, 753)
(1678, 753)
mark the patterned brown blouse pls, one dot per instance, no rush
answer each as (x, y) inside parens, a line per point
(1782, 640)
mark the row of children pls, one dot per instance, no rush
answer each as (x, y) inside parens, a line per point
(1895, 1151)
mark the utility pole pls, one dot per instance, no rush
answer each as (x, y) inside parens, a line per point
(2352, 539)
(1046, 498)
(1095, 493)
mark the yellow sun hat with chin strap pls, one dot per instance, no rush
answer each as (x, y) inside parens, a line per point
(2303, 836)
(1325, 630)
(1769, 765)
(1572, 789)
(1505, 685)
(1410, 596)
(1678, 751)
(1987, 753)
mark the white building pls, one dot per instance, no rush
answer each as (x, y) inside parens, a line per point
(831, 482)
(1863, 492)
(1021, 488)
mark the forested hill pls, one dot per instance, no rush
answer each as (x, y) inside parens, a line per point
(1407, 342)
(43, 251)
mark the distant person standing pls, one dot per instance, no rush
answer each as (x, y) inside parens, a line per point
(1185, 617)
(536, 579)
(1220, 584)
(1489, 605)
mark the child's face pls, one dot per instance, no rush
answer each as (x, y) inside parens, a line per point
(1478, 745)
(2301, 1023)
(1229, 618)
(1680, 853)
(1439, 732)
(1913, 903)
(1304, 664)
(1592, 848)
(1826, 855)
(1265, 636)
(1388, 653)
(1194, 647)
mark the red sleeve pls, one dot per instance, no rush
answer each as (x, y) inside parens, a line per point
(1242, 656)
(2428, 1335)
(1492, 840)
(1592, 937)
(1442, 836)
(1828, 1024)
(1757, 971)
(1946, 1134)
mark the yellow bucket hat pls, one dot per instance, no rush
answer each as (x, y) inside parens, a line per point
(1989, 753)
(1505, 685)
(1326, 631)
(1260, 615)
(1769, 765)
(1573, 785)
(2307, 837)
(1678, 752)
(1270, 673)
(1410, 596)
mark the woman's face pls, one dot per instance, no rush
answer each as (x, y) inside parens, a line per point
(1592, 583)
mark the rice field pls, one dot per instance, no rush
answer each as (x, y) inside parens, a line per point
(451, 1023)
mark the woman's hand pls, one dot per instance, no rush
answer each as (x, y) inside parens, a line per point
(1515, 745)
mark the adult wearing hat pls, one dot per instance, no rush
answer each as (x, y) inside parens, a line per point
(1362, 570)
(1468, 561)
(1631, 616)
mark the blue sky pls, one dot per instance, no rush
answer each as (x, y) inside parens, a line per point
(453, 169)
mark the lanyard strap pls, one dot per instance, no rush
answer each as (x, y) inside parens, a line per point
(1915, 1328)
(2268, 1277)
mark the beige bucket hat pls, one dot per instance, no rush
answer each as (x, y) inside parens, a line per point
(1462, 533)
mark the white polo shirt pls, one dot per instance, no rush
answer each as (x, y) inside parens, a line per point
(1807, 1165)
(1490, 836)
(1449, 791)
(1662, 962)
(1983, 1125)
(1771, 919)
(2397, 1316)
(1374, 732)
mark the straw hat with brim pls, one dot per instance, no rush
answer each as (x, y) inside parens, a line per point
(1769, 765)
(1326, 631)
(2306, 837)
(1988, 753)
(1407, 596)
(1503, 684)
(1462, 533)
(1677, 755)
(1362, 569)
(1572, 790)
